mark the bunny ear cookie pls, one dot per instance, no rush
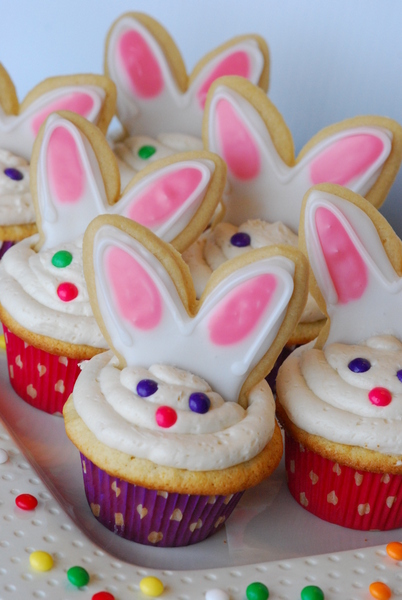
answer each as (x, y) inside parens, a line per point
(143, 298)
(75, 177)
(155, 95)
(267, 181)
(355, 257)
(91, 96)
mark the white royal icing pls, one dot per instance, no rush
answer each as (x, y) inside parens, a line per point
(105, 397)
(322, 396)
(16, 206)
(28, 292)
(214, 248)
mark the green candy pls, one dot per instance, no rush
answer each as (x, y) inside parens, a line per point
(146, 152)
(257, 591)
(312, 592)
(62, 259)
(78, 576)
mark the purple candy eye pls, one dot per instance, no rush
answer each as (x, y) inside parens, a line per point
(199, 402)
(13, 174)
(146, 387)
(399, 375)
(240, 239)
(359, 365)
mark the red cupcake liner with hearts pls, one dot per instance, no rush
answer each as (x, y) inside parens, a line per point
(342, 495)
(42, 379)
(153, 517)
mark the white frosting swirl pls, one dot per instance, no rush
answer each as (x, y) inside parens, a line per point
(16, 206)
(129, 158)
(214, 248)
(323, 396)
(106, 399)
(28, 292)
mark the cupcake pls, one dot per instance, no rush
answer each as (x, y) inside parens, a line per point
(155, 95)
(44, 304)
(92, 96)
(267, 182)
(166, 455)
(340, 401)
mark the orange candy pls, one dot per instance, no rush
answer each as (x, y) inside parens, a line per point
(394, 550)
(380, 590)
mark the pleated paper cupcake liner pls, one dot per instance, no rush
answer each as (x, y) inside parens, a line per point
(342, 495)
(153, 517)
(42, 379)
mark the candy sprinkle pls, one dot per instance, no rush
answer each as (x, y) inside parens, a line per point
(78, 576)
(67, 291)
(257, 591)
(151, 586)
(62, 259)
(166, 416)
(26, 502)
(103, 596)
(394, 550)
(3, 456)
(380, 590)
(312, 592)
(40, 560)
(146, 152)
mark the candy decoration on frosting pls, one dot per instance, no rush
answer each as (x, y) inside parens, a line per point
(146, 387)
(75, 178)
(267, 181)
(67, 291)
(199, 402)
(14, 174)
(166, 416)
(380, 396)
(399, 375)
(62, 259)
(92, 96)
(143, 297)
(240, 239)
(155, 94)
(359, 365)
(354, 266)
(146, 152)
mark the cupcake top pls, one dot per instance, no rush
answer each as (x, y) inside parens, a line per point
(16, 206)
(170, 416)
(349, 394)
(227, 241)
(348, 387)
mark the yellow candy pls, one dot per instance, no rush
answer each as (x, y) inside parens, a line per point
(2, 342)
(151, 586)
(41, 561)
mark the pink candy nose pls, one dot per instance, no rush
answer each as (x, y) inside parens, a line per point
(380, 396)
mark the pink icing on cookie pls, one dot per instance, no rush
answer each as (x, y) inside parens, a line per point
(237, 63)
(239, 315)
(346, 159)
(345, 265)
(239, 149)
(65, 169)
(162, 199)
(137, 297)
(141, 66)
(78, 102)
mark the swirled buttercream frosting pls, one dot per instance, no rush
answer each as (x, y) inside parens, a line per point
(349, 394)
(170, 416)
(16, 206)
(46, 293)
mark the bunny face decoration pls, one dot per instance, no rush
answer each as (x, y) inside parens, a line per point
(155, 94)
(342, 399)
(92, 96)
(267, 182)
(143, 297)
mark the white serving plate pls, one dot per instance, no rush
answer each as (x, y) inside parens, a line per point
(269, 537)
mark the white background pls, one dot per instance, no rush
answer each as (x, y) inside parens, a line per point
(330, 60)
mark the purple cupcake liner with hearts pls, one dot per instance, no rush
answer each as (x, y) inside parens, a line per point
(153, 517)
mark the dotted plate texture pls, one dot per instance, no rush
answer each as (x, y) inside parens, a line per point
(267, 526)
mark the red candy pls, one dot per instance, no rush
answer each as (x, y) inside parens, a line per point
(380, 396)
(165, 416)
(103, 596)
(67, 291)
(26, 502)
